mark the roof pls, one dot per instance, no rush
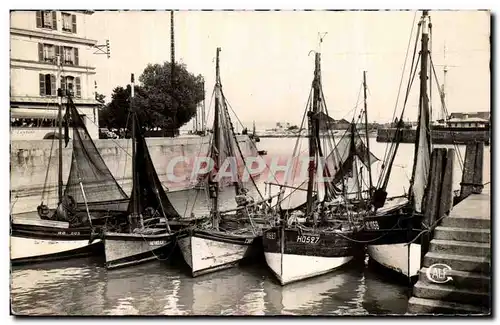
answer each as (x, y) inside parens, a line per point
(461, 115)
(468, 120)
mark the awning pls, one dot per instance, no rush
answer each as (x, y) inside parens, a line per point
(33, 113)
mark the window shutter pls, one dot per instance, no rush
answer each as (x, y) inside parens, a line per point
(76, 55)
(73, 20)
(63, 85)
(78, 88)
(39, 19)
(58, 53)
(40, 52)
(42, 84)
(53, 85)
(54, 20)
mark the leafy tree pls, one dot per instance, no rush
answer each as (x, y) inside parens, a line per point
(156, 101)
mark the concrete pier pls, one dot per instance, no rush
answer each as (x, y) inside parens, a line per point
(462, 243)
(29, 161)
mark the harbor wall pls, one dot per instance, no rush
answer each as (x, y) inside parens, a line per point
(438, 136)
(30, 160)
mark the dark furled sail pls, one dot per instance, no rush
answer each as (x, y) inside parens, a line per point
(147, 185)
(89, 169)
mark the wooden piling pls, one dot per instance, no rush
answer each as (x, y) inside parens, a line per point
(433, 196)
(446, 201)
(472, 177)
(477, 188)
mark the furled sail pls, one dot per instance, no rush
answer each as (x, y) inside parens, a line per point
(89, 169)
(422, 158)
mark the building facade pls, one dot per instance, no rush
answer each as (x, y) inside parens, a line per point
(37, 40)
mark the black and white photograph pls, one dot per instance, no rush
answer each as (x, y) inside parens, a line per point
(176, 162)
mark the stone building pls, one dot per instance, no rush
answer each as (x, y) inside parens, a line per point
(37, 38)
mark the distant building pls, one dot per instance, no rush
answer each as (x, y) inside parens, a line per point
(282, 125)
(328, 123)
(465, 120)
(36, 39)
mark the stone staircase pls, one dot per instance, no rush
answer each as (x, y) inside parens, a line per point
(462, 242)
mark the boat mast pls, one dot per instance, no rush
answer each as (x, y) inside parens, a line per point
(443, 89)
(421, 164)
(312, 114)
(59, 118)
(135, 183)
(216, 141)
(203, 122)
(367, 138)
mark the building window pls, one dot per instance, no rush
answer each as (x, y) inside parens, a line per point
(71, 85)
(49, 53)
(47, 84)
(69, 22)
(70, 56)
(46, 19)
(66, 19)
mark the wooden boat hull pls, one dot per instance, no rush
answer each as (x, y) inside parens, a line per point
(127, 249)
(388, 236)
(293, 255)
(395, 257)
(37, 240)
(207, 251)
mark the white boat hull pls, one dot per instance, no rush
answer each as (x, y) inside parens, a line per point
(38, 249)
(290, 267)
(206, 255)
(395, 257)
(124, 249)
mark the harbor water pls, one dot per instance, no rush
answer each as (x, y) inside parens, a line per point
(84, 287)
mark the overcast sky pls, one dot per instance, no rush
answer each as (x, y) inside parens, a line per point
(266, 68)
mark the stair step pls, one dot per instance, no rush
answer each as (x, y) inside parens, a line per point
(461, 280)
(460, 247)
(429, 306)
(478, 264)
(447, 293)
(462, 234)
(466, 222)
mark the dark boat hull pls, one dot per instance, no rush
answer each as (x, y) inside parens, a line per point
(127, 249)
(207, 251)
(294, 255)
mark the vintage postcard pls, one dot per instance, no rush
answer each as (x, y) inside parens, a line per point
(206, 162)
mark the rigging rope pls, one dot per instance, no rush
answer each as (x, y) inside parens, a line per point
(445, 110)
(402, 74)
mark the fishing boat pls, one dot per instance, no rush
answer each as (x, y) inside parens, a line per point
(90, 200)
(138, 242)
(392, 230)
(227, 238)
(314, 236)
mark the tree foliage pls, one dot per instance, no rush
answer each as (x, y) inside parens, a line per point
(157, 102)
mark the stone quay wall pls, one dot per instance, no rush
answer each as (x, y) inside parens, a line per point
(30, 161)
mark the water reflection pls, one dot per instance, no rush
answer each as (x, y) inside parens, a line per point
(84, 287)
